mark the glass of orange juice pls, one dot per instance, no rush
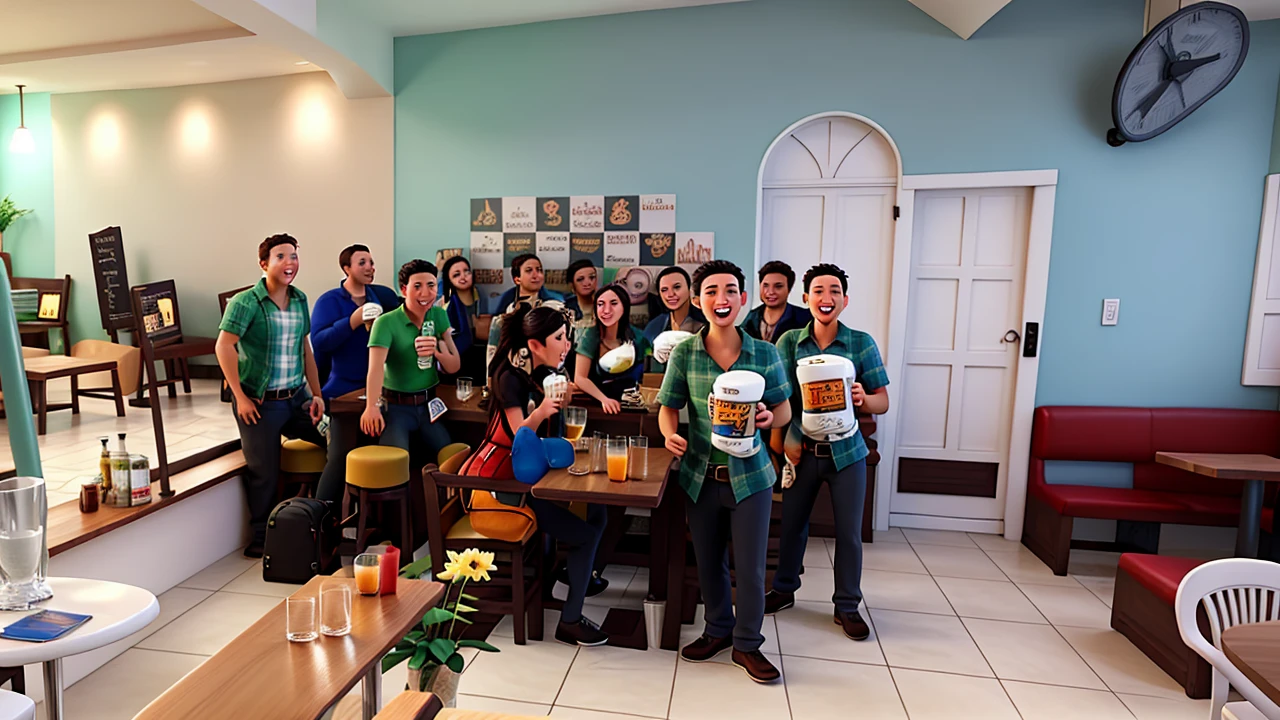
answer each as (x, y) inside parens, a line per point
(366, 571)
(616, 455)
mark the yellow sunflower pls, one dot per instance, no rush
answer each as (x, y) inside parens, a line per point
(453, 566)
(478, 564)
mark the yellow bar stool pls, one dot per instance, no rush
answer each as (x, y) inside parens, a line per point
(301, 464)
(377, 475)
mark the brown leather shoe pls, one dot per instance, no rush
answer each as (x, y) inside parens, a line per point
(705, 648)
(775, 601)
(853, 625)
(756, 665)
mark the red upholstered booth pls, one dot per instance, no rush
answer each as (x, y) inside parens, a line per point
(1160, 494)
(1142, 610)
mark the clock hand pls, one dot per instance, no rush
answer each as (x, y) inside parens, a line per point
(1179, 68)
(1152, 98)
(1169, 54)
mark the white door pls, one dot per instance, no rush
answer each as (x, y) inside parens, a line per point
(960, 359)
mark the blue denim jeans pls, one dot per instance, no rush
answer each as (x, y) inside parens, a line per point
(261, 444)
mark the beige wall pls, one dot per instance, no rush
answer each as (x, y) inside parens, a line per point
(197, 176)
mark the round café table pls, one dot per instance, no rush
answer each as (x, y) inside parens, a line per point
(118, 611)
(1254, 648)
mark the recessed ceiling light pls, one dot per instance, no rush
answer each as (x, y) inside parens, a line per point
(303, 62)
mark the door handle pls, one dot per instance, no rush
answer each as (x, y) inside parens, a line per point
(1011, 337)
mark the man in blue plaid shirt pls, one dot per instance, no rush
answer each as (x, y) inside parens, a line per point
(728, 495)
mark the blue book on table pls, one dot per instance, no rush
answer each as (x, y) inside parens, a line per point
(43, 626)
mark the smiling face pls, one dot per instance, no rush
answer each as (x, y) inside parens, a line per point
(826, 299)
(552, 352)
(420, 293)
(609, 309)
(530, 278)
(281, 265)
(585, 282)
(674, 291)
(460, 276)
(361, 268)
(773, 290)
(721, 299)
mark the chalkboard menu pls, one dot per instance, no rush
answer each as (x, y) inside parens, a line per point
(157, 303)
(107, 249)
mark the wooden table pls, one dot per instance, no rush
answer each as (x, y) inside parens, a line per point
(40, 370)
(626, 626)
(260, 674)
(1254, 470)
(1255, 649)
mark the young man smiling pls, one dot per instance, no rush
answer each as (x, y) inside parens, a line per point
(841, 463)
(728, 495)
(775, 316)
(526, 271)
(266, 358)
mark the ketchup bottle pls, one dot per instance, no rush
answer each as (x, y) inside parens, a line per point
(388, 571)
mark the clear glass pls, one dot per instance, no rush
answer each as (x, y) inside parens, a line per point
(597, 451)
(24, 556)
(464, 388)
(616, 451)
(368, 574)
(300, 619)
(575, 427)
(335, 609)
(638, 457)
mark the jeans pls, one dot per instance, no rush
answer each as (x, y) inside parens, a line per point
(848, 496)
(344, 436)
(409, 427)
(582, 537)
(712, 517)
(261, 444)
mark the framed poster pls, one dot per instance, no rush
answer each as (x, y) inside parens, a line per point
(623, 212)
(553, 249)
(586, 213)
(696, 248)
(106, 247)
(621, 249)
(486, 214)
(658, 249)
(516, 244)
(589, 246)
(518, 215)
(657, 213)
(552, 214)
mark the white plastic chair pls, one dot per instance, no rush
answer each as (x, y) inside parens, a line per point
(1236, 591)
(16, 707)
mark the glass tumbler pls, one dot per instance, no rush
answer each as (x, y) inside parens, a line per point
(335, 609)
(464, 388)
(598, 440)
(617, 457)
(637, 457)
(300, 619)
(24, 557)
(368, 573)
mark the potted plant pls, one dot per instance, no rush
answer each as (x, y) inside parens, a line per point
(8, 213)
(431, 648)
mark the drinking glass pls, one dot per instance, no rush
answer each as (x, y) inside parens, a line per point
(368, 573)
(575, 426)
(638, 457)
(598, 451)
(335, 609)
(23, 553)
(300, 619)
(464, 388)
(616, 450)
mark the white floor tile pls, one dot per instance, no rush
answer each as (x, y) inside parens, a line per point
(1032, 653)
(817, 584)
(250, 582)
(903, 591)
(937, 537)
(1024, 567)
(989, 600)
(892, 556)
(1104, 588)
(561, 712)
(1073, 607)
(204, 629)
(928, 642)
(221, 572)
(122, 687)
(995, 543)
(718, 690)
(1050, 702)
(505, 707)
(888, 536)
(826, 690)
(1145, 707)
(940, 696)
(531, 673)
(809, 630)
(945, 561)
(1121, 666)
(817, 554)
(619, 680)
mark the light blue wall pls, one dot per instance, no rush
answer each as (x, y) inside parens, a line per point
(686, 101)
(29, 180)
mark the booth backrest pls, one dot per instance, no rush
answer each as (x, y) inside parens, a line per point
(1135, 435)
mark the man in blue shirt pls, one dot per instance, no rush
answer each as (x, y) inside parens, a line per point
(774, 316)
(340, 337)
(526, 271)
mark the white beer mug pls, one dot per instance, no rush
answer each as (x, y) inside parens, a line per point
(825, 386)
(619, 360)
(732, 406)
(666, 342)
(556, 386)
(371, 311)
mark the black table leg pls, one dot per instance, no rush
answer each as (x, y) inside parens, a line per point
(1250, 519)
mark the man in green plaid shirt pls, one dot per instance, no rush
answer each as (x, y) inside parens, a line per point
(726, 493)
(838, 461)
(265, 356)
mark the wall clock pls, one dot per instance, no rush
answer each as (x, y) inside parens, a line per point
(1185, 60)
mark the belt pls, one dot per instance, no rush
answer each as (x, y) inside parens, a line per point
(286, 394)
(719, 473)
(819, 449)
(395, 397)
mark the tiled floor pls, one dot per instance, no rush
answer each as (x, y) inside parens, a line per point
(989, 634)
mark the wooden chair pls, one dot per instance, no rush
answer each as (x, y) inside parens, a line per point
(169, 345)
(449, 528)
(128, 363)
(223, 299)
(40, 328)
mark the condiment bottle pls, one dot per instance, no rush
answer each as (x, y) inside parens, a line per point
(389, 569)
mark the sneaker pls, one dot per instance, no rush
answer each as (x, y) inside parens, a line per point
(775, 601)
(594, 588)
(756, 665)
(705, 648)
(853, 625)
(584, 632)
(254, 550)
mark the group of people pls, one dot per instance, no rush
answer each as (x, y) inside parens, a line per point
(274, 355)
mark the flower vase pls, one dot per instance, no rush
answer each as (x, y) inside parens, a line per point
(442, 682)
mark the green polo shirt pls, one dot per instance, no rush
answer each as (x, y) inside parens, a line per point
(854, 345)
(689, 380)
(264, 344)
(397, 333)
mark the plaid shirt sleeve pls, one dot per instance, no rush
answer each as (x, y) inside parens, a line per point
(240, 313)
(871, 372)
(777, 386)
(675, 386)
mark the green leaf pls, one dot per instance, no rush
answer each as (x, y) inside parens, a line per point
(456, 663)
(419, 657)
(416, 569)
(415, 636)
(463, 608)
(464, 621)
(472, 598)
(480, 644)
(442, 648)
(395, 658)
(435, 616)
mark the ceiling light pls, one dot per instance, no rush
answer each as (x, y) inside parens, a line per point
(303, 62)
(22, 141)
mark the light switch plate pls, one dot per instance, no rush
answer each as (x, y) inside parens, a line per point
(1111, 311)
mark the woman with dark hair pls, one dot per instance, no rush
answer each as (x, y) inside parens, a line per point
(611, 332)
(534, 344)
(459, 297)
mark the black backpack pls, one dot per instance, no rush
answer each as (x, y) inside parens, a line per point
(301, 535)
